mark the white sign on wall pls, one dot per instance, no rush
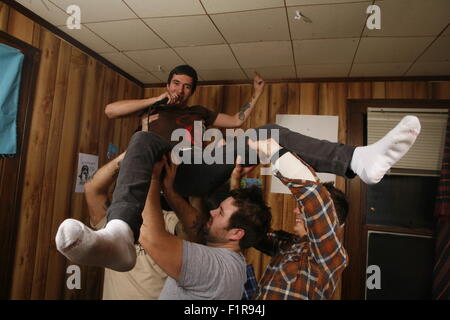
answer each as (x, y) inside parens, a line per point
(320, 127)
(87, 166)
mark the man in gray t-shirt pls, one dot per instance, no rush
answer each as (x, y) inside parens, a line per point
(207, 273)
(216, 270)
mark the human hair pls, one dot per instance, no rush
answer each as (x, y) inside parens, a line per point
(184, 70)
(339, 200)
(253, 215)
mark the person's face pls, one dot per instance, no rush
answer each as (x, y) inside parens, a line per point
(299, 227)
(217, 226)
(180, 88)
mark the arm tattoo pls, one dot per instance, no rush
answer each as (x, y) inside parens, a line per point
(244, 108)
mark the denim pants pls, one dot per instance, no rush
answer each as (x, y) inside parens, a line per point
(147, 148)
(133, 182)
(321, 155)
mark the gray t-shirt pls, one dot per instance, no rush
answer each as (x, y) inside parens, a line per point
(207, 273)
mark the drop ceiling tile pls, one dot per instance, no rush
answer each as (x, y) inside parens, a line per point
(411, 18)
(89, 39)
(185, 31)
(145, 77)
(325, 51)
(46, 10)
(441, 68)
(328, 21)
(222, 74)
(162, 60)
(123, 62)
(251, 26)
(447, 31)
(127, 35)
(438, 51)
(162, 75)
(165, 8)
(263, 54)
(220, 6)
(209, 57)
(323, 71)
(391, 49)
(98, 10)
(272, 73)
(316, 2)
(379, 69)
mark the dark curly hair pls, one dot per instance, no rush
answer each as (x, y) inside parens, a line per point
(253, 215)
(185, 70)
(339, 200)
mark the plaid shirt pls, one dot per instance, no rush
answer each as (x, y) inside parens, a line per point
(308, 267)
(251, 286)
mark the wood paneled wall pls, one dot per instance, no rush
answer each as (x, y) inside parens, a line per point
(68, 117)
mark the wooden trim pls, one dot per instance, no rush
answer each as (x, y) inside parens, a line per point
(25, 110)
(392, 229)
(58, 32)
(354, 276)
(315, 80)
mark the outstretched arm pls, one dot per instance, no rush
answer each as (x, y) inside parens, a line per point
(189, 216)
(238, 172)
(96, 189)
(129, 107)
(165, 248)
(232, 121)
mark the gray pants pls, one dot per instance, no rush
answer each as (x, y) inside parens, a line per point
(147, 148)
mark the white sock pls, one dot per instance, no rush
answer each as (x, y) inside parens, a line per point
(292, 168)
(372, 162)
(111, 247)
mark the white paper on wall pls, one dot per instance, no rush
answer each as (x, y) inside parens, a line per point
(87, 166)
(320, 127)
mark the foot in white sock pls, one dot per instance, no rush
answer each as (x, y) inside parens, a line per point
(111, 247)
(372, 162)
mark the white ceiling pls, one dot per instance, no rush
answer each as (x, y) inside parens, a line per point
(230, 39)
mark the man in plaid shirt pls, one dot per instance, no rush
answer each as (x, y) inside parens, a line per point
(307, 264)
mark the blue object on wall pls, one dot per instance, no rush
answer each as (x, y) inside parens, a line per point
(11, 60)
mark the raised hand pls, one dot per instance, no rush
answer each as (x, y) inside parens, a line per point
(258, 84)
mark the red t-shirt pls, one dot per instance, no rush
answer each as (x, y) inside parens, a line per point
(173, 117)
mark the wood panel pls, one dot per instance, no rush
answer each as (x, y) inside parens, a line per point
(66, 169)
(440, 90)
(87, 128)
(378, 90)
(49, 184)
(106, 126)
(20, 26)
(309, 98)
(4, 15)
(35, 167)
(71, 93)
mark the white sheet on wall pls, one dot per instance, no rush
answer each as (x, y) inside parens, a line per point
(320, 127)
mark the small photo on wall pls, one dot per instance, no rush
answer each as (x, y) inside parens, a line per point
(87, 166)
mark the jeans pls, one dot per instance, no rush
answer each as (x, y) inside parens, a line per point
(147, 148)
(321, 155)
